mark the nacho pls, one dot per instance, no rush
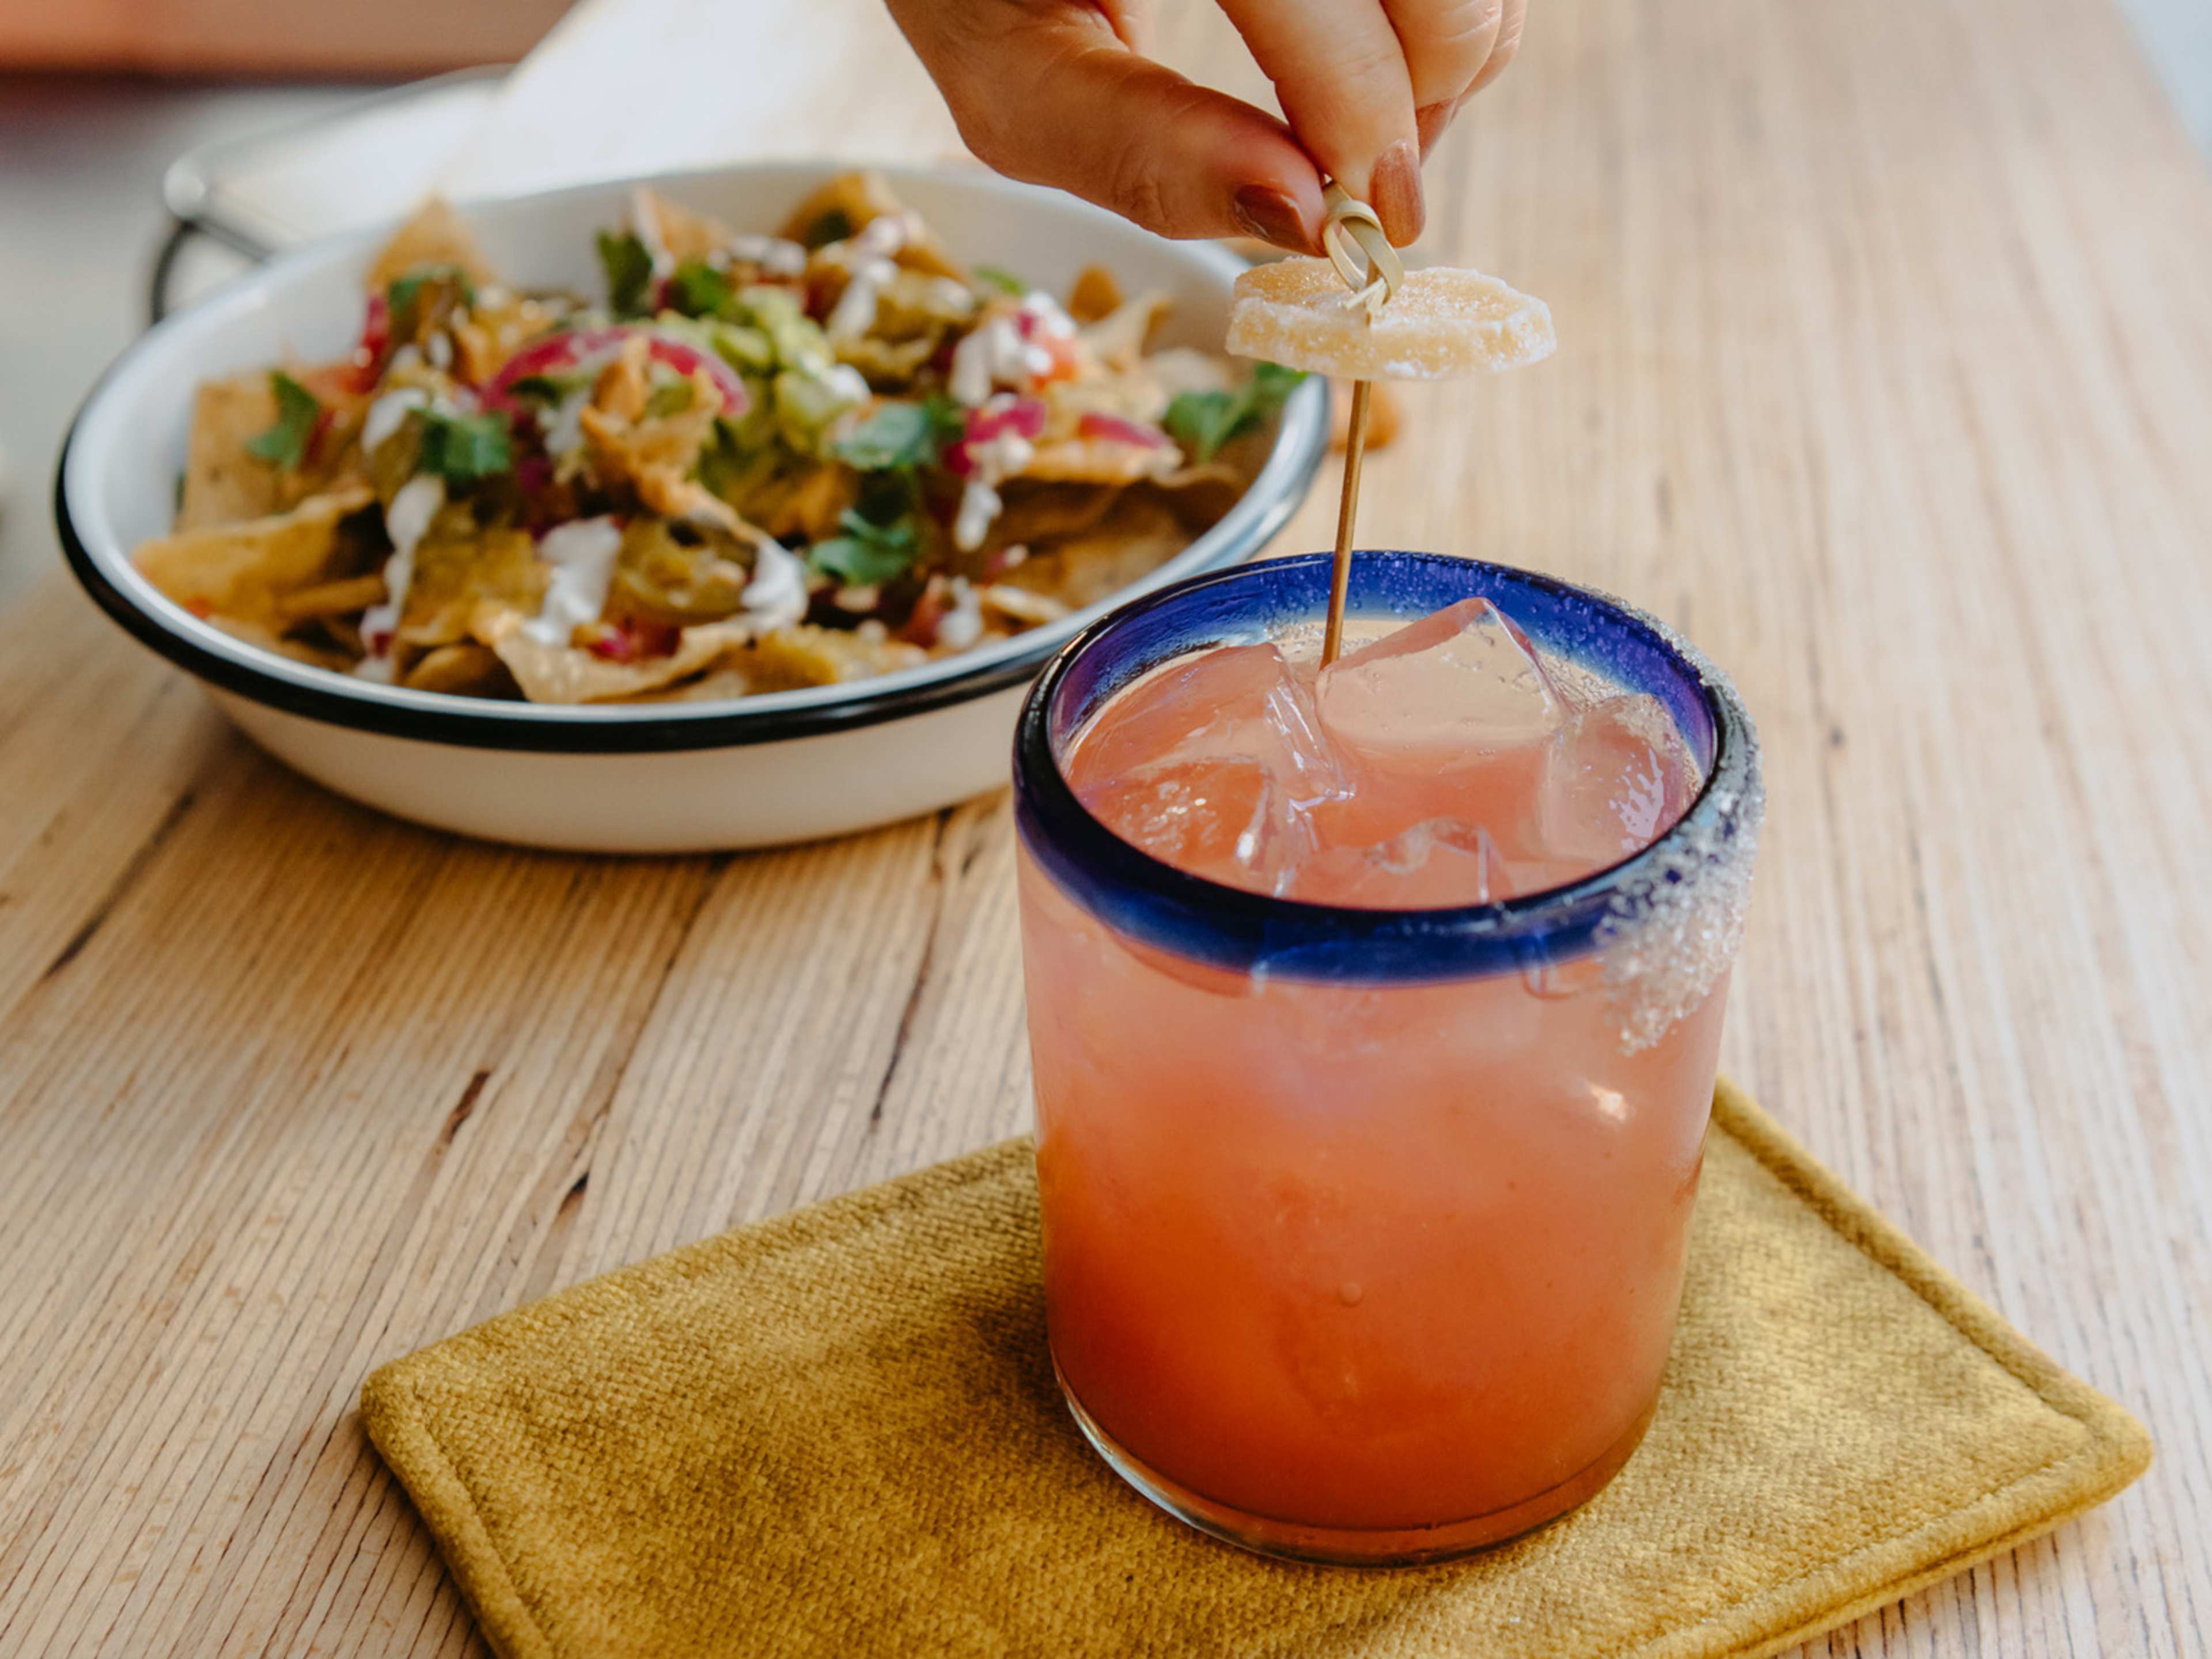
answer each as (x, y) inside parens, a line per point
(572, 673)
(434, 236)
(675, 230)
(224, 480)
(242, 571)
(1134, 539)
(760, 462)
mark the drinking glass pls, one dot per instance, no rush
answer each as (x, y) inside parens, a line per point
(1363, 1229)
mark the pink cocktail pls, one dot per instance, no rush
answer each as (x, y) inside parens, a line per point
(1375, 1016)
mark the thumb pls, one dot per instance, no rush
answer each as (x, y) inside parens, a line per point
(1049, 94)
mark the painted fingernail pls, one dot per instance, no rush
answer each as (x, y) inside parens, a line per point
(1431, 120)
(1394, 190)
(1273, 216)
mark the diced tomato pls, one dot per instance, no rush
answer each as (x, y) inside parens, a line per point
(928, 611)
(632, 638)
(375, 339)
(1065, 364)
(318, 433)
(1024, 418)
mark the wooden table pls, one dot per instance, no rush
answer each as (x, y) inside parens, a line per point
(1886, 373)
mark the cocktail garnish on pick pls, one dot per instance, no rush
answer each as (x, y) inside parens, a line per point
(1348, 222)
(1427, 325)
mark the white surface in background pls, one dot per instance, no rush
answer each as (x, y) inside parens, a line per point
(367, 167)
(624, 87)
(2176, 37)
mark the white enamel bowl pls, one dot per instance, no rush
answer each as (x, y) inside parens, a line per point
(655, 778)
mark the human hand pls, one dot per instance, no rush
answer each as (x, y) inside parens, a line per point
(1061, 92)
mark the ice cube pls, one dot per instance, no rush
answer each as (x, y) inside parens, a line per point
(1460, 684)
(1616, 778)
(1439, 863)
(1240, 702)
(1224, 819)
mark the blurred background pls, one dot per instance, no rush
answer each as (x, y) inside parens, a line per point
(150, 148)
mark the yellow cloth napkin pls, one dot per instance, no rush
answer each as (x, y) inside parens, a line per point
(837, 1433)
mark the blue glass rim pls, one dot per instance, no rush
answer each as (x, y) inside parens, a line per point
(1235, 929)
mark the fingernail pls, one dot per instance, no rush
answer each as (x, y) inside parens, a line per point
(1273, 216)
(1431, 120)
(1395, 192)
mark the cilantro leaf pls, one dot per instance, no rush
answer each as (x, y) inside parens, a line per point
(629, 273)
(697, 290)
(867, 553)
(1000, 277)
(901, 435)
(1272, 385)
(285, 444)
(1202, 421)
(404, 293)
(462, 448)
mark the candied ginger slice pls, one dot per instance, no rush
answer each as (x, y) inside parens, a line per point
(1440, 324)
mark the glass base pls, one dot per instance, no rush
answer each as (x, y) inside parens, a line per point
(1406, 1546)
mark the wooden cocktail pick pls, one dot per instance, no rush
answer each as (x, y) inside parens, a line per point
(1440, 322)
(1351, 222)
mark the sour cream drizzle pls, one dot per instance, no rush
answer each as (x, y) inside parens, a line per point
(776, 596)
(1001, 350)
(854, 313)
(406, 521)
(773, 254)
(388, 413)
(582, 554)
(994, 459)
(963, 625)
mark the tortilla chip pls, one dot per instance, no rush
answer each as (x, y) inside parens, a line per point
(887, 365)
(268, 639)
(1097, 295)
(857, 198)
(655, 454)
(1118, 340)
(805, 504)
(240, 571)
(342, 597)
(791, 659)
(1133, 541)
(725, 681)
(463, 671)
(490, 335)
(1038, 512)
(568, 674)
(1200, 496)
(807, 654)
(685, 233)
(224, 482)
(434, 236)
(1176, 369)
(1101, 461)
(455, 576)
(1018, 607)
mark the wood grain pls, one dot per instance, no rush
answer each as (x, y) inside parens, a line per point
(1886, 373)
